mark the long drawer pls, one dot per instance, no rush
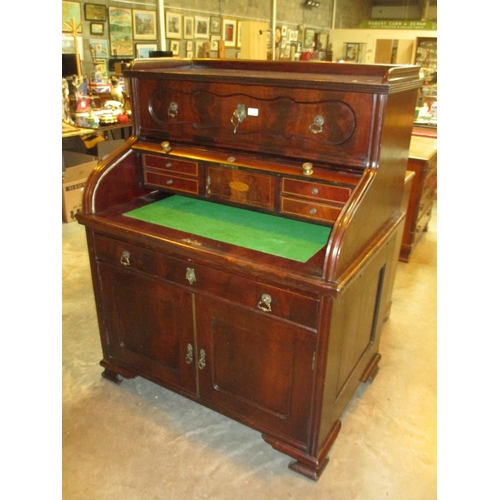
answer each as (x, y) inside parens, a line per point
(269, 299)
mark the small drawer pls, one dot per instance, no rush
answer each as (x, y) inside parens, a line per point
(171, 164)
(241, 186)
(127, 255)
(310, 210)
(315, 190)
(171, 182)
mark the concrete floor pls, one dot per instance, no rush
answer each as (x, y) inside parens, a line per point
(138, 441)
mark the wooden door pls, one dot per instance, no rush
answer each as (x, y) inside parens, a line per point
(149, 327)
(255, 368)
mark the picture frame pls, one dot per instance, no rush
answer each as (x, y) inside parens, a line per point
(214, 42)
(101, 48)
(199, 48)
(175, 47)
(144, 22)
(215, 25)
(188, 26)
(142, 49)
(71, 10)
(173, 25)
(229, 32)
(189, 54)
(94, 12)
(103, 67)
(97, 28)
(189, 46)
(351, 52)
(309, 38)
(120, 32)
(201, 26)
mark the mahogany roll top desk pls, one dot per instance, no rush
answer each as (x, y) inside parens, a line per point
(243, 240)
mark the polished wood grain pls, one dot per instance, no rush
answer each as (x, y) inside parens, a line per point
(274, 343)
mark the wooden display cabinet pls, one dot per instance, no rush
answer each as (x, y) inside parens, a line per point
(277, 341)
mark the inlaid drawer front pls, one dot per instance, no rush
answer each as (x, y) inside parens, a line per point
(170, 164)
(241, 186)
(310, 209)
(315, 190)
(171, 182)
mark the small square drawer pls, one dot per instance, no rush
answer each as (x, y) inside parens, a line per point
(315, 190)
(171, 182)
(170, 164)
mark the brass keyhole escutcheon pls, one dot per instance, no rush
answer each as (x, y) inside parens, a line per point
(190, 275)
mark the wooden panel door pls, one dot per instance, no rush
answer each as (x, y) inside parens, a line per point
(149, 327)
(256, 368)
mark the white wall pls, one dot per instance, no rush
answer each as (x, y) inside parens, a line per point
(339, 36)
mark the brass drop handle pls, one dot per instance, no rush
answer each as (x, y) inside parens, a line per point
(317, 126)
(189, 355)
(125, 258)
(173, 109)
(265, 303)
(202, 361)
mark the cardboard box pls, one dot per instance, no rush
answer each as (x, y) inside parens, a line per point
(76, 170)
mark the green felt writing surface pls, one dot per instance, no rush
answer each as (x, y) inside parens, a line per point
(263, 232)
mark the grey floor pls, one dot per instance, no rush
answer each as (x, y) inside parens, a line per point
(138, 441)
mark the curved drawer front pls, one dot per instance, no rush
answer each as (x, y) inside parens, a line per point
(317, 124)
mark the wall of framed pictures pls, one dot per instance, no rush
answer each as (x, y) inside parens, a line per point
(114, 31)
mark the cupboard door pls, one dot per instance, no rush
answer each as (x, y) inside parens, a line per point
(149, 327)
(255, 368)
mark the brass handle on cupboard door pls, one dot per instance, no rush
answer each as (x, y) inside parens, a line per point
(202, 361)
(189, 355)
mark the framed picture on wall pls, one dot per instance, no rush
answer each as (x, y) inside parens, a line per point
(120, 32)
(97, 28)
(175, 46)
(201, 27)
(215, 25)
(188, 27)
(144, 24)
(94, 12)
(214, 42)
(229, 32)
(142, 49)
(173, 25)
(308, 38)
(71, 11)
(100, 48)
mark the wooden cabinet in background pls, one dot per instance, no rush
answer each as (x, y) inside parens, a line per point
(423, 161)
